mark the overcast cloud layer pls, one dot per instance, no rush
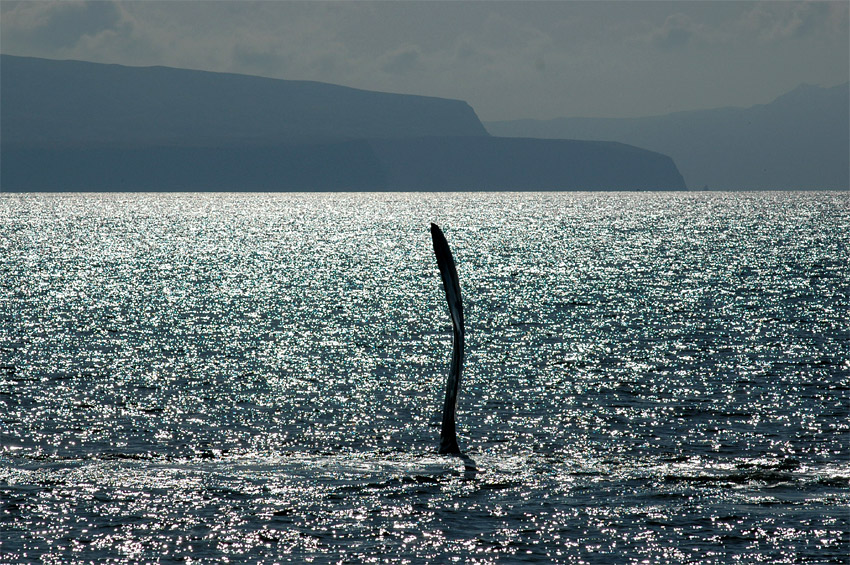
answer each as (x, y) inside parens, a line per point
(508, 60)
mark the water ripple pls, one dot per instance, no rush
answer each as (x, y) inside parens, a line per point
(258, 378)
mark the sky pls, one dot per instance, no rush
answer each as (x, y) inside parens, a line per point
(509, 60)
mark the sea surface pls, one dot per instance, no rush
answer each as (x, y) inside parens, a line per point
(650, 377)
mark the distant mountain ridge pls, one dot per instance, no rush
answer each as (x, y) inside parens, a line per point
(406, 164)
(76, 126)
(74, 104)
(801, 140)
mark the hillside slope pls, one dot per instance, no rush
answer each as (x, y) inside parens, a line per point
(801, 140)
(49, 103)
(73, 126)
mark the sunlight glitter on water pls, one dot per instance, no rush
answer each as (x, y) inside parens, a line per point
(259, 377)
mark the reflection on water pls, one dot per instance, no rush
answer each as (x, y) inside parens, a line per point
(259, 377)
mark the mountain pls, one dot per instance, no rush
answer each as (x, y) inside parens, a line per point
(500, 163)
(48, 103)
(405, 164)
(801, 140)
(77, 126)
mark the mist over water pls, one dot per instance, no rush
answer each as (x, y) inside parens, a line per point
(259, 377)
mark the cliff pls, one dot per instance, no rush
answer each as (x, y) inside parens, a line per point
(500, 163)
(47, 103)
(798, 141)
(405, 164)
(74, 126)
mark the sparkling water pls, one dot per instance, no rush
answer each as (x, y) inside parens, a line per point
(259, 378)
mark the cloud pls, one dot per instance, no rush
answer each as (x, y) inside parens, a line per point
(779, 21)
(58, 25)
(402, 60)
(674, 34)
(507, 59)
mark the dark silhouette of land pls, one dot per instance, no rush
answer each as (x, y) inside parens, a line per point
(77, 126)
(801, 140)
(49, 103)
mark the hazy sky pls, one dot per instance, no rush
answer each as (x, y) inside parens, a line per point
(508, 60)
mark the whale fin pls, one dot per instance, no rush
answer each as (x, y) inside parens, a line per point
(448, 272)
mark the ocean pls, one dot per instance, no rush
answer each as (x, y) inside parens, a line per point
(650, 378)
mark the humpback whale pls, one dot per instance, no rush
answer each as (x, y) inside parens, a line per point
(448, 272)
